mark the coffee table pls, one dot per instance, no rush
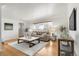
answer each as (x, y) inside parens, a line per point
(28, 40)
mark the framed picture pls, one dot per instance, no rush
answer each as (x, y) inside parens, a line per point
(8, 26)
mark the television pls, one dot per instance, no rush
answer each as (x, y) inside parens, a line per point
(8, 26)
(72, 20)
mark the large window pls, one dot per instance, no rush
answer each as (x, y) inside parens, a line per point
(41, 26)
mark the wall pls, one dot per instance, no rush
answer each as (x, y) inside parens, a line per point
(75, 34)
(9, 34)
(0, 23)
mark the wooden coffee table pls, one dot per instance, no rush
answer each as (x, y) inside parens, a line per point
(29, 40)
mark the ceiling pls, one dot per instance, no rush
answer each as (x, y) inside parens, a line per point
(34, 11)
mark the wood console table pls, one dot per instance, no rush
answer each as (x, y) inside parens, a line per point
(69, 42)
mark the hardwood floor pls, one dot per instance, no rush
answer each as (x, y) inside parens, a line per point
(51, 49)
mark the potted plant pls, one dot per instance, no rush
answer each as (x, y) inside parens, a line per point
(63, 32)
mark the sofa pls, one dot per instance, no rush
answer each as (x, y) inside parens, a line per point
(44, 36)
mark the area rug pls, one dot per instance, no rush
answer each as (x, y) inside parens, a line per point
(24, 47)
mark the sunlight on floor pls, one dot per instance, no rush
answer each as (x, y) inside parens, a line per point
(50, 43)
(49, 50)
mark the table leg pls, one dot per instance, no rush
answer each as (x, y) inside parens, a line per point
(39, 40)
(31, 44)
(18, 41)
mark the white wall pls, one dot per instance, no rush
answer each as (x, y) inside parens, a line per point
(75, 34)
(9, 34)
(0, 22)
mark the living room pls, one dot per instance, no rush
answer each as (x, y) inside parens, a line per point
(42, 22)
